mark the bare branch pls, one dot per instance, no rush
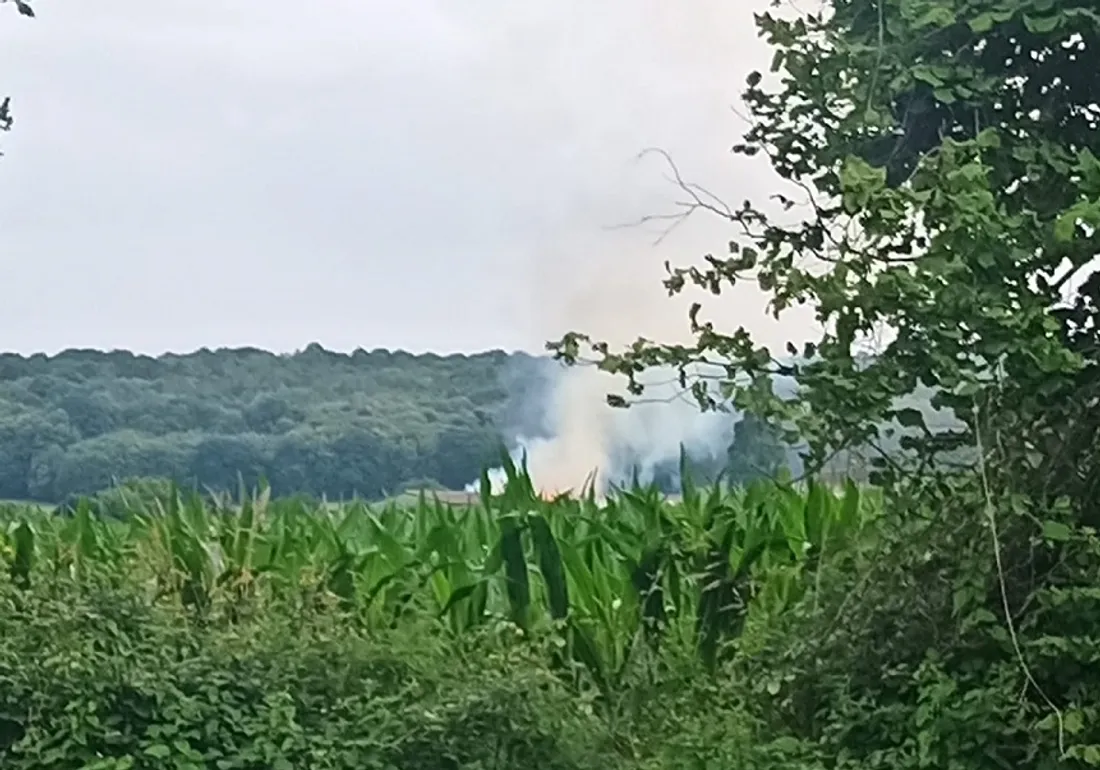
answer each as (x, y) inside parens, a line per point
(699, 198)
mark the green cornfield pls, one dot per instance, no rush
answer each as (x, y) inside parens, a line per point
(606, 579)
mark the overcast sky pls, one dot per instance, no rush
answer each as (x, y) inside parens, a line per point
(424, 174)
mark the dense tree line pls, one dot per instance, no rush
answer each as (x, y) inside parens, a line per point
(317, 421)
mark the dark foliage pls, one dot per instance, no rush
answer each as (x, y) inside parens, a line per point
(315, 422)
(106, 681)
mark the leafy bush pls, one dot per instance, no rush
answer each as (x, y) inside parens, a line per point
(906, 657)
(101, 679)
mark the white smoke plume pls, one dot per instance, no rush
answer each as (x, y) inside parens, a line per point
(590, 443)
(607, 282)
(590, 274)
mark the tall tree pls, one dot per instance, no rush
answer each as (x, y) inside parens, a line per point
(943, 155)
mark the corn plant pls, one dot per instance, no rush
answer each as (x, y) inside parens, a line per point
(610, 579)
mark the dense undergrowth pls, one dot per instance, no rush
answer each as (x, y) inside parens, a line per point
(776, 626)
(100, 678)
(171, 630)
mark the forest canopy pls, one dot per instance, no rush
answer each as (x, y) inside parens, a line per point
(315, 422)
(366, 424)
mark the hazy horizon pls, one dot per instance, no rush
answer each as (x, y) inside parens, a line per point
(287, 352)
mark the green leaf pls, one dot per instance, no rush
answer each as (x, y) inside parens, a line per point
(937, 16)
(460, 593)
(1088, 165)
(988, 138)
(778, 59)
(158, 750)
(1073, 721)
(1088, 754)
(1056, 531)
(944, 95)
(926, 74)
(859, 181)
(515, 570)
(909, 417)
(1065, 227)
(982, 23)
(23, 562)
(551, 567)
(1042, 25)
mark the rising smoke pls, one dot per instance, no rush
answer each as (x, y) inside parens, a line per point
(577, 440)
(584, 272)
(608, 282)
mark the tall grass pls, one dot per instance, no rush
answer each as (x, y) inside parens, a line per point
(607, 580)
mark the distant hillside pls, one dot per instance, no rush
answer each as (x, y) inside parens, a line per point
(317, 421)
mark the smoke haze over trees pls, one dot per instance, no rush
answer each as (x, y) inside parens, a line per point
(316, 422)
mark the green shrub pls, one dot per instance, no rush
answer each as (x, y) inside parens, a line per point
(100, 679)
(904, 658)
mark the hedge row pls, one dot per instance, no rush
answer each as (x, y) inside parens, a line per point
(103, 680)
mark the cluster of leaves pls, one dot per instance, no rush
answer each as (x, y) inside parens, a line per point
(612, 579)
(958, 240)
(906, 657)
